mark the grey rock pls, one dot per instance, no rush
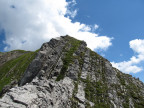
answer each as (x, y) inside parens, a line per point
(40, 93)
(86, 65)
(110, 73)
(81, 93)
(73, 70)
(7, 87)
(46, 59)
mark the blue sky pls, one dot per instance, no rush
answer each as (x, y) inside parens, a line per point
(122, 20)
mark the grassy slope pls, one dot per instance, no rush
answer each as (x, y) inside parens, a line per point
(13, 69)
(96, 92)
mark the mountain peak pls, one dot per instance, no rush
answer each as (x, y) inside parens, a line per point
(50, 55)
(65, 73)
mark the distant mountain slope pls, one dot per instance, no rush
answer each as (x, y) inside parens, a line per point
(67, 74)
(12, 66)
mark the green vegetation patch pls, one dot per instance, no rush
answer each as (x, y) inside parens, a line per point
(96, 92)
(74, 101)
(133, 91)
(21, 51)
(14, 69)
(121, 78)
(68, 57)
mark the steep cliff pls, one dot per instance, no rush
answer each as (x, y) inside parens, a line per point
(67, 74)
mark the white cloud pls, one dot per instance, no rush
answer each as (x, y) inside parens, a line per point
(131, 66)
(137, 45)
(72, 13)
(96, 26)
(29, 23)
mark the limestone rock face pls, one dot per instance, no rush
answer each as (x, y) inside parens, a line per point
(40, 93)
(49, 54)
(67, 74)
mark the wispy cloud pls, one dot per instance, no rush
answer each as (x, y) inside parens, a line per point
(29, 23)
(131, 66)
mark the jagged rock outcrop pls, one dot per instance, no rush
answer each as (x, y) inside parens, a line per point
(40, 93)
(67, 74)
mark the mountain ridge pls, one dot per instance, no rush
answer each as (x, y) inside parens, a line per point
(65, 73)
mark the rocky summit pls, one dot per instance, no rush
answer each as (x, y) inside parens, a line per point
(64, 73)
